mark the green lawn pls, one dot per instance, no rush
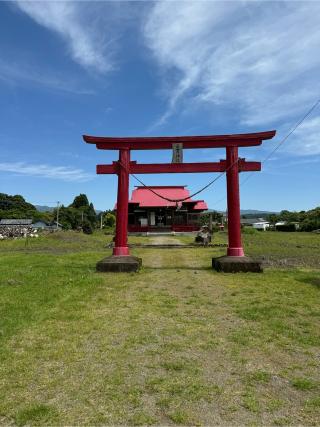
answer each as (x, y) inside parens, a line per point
(176, 343)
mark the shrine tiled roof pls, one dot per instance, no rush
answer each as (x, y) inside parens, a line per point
(145, 198)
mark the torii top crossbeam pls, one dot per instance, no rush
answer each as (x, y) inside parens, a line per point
(232, 165)
(165, 142)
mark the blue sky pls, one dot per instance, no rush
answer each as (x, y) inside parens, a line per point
(158, 68)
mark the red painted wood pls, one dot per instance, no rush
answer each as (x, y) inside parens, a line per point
(231, 165)
(165, 142)
(174, 167)
(121, 238)
(233, 200)
(244, 166)
(179, 167)
(107, 169)
(168, 145)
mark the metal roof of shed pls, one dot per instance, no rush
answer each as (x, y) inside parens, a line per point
(15, 221)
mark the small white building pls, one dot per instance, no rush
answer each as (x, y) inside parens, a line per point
(263, 225)
(257, 223)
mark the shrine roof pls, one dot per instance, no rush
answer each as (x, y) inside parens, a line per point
(165, 142)
(145, 198)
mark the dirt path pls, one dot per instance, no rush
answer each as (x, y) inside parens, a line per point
(165, 240)
(162, 257)
(171, 258)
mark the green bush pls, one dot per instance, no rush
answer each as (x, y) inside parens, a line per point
(109, 220)
(310, 225)
(249, 230)
(286, 227)
(87, 228)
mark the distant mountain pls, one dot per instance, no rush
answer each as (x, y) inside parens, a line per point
(256, 212)
(250, 212)
(44, 208)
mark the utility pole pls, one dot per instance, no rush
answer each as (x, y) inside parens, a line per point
(57, 224)
(101, 217)
(210, 222)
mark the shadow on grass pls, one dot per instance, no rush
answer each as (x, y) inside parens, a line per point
(311, 280)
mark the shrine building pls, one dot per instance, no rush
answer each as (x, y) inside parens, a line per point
(149, 212)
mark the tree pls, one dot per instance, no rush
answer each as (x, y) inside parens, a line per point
(109, 220)
(216, 217)
(16, 207)
(311, 220)
(80, 201)
(91, 214)
(289, 216)
(80, 210)
(273, 218)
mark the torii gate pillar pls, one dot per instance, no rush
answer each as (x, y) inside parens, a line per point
(233, 200)
(121, 237)
(121, 260)
(235, 260)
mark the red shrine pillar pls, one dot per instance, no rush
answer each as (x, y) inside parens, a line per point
(121, 238)
(233, 198)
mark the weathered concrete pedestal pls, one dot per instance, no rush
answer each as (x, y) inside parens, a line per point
(119, 264)
(236, 264)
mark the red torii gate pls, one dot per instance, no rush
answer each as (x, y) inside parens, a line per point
(235, 259)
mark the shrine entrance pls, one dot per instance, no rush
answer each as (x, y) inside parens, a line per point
(235, 260)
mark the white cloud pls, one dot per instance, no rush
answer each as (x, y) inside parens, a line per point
(86, 43)
(260, 58)
(306, 139)
(63, 173)
(19, 73)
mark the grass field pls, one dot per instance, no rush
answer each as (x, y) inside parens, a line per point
(176, 343)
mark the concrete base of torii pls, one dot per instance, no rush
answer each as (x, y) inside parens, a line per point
(236, 264)
(119, 264)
